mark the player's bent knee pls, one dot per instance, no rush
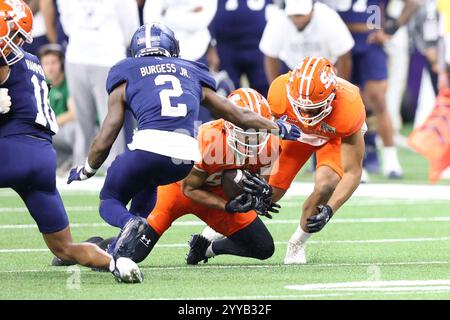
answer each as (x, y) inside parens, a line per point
(265, 250)
(324, 190)
(264, 246)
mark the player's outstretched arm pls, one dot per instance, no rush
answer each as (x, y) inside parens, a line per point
(352, 153)
(245, 118)
(104, 140)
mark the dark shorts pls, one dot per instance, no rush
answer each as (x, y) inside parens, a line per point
(28, 166)
(369, 64)
(137, 174)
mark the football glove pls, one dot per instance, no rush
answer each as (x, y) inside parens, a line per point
(242, 203)
(257, 186)
(5, 101)
(263, 207)
(316, 222)
(288, 131)
(81, 173)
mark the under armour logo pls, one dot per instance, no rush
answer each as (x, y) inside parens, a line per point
(266, 191)
(145, 241)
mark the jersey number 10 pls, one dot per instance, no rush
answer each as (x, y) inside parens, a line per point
(45, 114)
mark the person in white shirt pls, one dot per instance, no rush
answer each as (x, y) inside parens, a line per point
(189, 19)
(305, 29)
(99, 33)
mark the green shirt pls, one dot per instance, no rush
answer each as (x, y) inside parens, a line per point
(58, 97)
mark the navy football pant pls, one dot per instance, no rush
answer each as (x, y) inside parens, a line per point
(28, 166)
(237, 61)
(135, 175)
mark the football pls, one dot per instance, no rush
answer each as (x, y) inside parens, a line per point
(232, 182)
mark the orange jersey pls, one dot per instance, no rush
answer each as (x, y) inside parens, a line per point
(217, 156)
(347, 117)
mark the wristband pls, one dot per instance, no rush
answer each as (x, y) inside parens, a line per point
(391, 26)
(88, 168)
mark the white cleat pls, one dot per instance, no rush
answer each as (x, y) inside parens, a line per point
(126, 270)
(295, 253)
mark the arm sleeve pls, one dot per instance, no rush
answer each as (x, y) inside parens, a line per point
(340, 40)
(65, 15)
(272, 39)
(128, 17)
(191, 21)
(153, 11)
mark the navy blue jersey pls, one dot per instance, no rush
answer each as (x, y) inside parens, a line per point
(30, 112)
(361, 11)
(162, 93)
(241, 21)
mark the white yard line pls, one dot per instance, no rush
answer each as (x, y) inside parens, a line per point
(269, 222)
(252, 266)
(404, 191)
(305, 296)
(290, 202)
(185, 245)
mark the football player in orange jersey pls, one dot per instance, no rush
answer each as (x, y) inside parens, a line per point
(223, 146)
(331, 115)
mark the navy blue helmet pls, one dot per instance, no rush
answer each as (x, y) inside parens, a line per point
(154, 39)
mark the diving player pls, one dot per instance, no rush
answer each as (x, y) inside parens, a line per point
(28, 160)
(164, 93)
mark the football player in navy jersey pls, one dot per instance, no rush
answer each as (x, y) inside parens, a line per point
(163, 92)
(238, 27)
(371, 28)
(27, 158)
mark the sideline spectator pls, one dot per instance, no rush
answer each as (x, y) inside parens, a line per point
(99, 33)
(52, 60)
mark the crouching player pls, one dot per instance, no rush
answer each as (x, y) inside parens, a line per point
(28, 160)
(223, 146)
(331, 116)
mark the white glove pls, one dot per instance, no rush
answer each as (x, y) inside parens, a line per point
(5, 101)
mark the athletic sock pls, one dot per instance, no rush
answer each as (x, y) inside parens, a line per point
(209, 251)
(300, 236)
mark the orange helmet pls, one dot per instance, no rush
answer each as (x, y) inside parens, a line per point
(248, 143)
(16, 24)
(311, 90)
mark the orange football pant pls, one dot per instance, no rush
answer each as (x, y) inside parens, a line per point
(172, 204)
(294, 155)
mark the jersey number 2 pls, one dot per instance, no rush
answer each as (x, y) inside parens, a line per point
(45, 114)
(167, 110)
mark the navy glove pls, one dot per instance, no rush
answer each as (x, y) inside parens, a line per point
(319, 220)
(257, 186)
(242, 203)
(81, 173)
(288, 131)
(264, 206)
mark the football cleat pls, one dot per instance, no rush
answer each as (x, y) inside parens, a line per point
(295, 253)
(197, 253)
(57, 262)
(129, 236)
(126, 270)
